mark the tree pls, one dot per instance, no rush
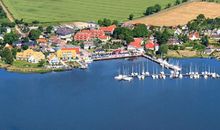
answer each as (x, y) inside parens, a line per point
(140, 31)
(41, 63)
(24, 47)
(10, 38)
(14, 52)
(162, 37)
(35, 22)
(34, 34)
(131, 16)
(49, 29)
(205, 40)
(123, 34)
(163, 49)
(7, 56)
(115, 22)
(200, 17)
(157, 8)
(40, 28)
(177, 2)
(105, 22)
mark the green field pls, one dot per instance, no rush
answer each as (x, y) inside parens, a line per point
(78, 10)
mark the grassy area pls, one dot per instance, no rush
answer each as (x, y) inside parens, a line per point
(78, 10)
(24, 64)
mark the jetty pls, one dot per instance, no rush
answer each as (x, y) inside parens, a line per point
(161, 62)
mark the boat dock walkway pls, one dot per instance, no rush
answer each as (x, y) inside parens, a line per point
(163, 63)
(158, 61)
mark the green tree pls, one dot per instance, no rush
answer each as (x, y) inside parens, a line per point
(131, 16)
(123, 34)
(41, 63)
(49, 29)
(10, 38)
(162, 37)
(34, 34)
(205, 41)
(140, 31)
(163, 49)
(7, 56)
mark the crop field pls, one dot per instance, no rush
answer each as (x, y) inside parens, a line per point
(182, 14)
(78, 10)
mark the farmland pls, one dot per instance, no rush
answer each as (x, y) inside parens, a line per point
(78, 10)
(182, 14)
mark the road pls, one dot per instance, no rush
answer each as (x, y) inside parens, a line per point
(11, 18)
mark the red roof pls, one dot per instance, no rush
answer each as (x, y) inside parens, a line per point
(150, 45)
(108, 29)
(103, 37)
(136, 43)
(86, 35)
(82, 36)
(195, 34)
(77, 49)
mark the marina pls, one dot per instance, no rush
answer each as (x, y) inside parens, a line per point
(80, 95)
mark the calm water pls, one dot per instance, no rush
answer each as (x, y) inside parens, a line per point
(93, 100)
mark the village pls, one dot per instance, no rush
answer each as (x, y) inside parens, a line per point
(77, 44)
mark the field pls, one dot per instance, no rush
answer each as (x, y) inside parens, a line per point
(182, 14)
(78, 10)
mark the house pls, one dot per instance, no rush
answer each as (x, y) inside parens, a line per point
(41, 40)
(30, 44)
(53, 59)
(85, 25)
(82, 36)
(66, 54)
(174, 41)
(56, 41)
(136, 45)
(87, 35)
(194, 36)
(8, 46)
(30, 56)
(108, 30)
(88, 45)
(65, 32)
(150, 45)
(104, 38)
(178, 31)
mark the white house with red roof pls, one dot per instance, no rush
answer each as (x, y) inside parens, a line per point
(136, 45)
(194, 36)
(108, 30)
(150, 45)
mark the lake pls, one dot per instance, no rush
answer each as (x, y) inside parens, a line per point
(92, 100)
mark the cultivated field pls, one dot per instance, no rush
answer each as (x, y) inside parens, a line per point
(182, 14)
(78, 10)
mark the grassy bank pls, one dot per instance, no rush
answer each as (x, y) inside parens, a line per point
(25, 67)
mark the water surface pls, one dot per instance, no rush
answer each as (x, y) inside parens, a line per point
(92, 100)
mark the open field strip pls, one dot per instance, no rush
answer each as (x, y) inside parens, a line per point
(79, 10)
(182, 14)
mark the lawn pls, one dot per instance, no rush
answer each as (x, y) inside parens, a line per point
(78, 10)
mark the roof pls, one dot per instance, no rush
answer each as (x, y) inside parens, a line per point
(41, 40)
(64, 31)
(195, 34)
(151, 45)
(136, 43)
(77, 49)
(108, 29)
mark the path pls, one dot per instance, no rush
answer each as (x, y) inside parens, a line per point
(11, 18)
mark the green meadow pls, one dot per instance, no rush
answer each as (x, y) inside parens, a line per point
(78, 10)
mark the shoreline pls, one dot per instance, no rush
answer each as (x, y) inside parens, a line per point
(42, 70)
